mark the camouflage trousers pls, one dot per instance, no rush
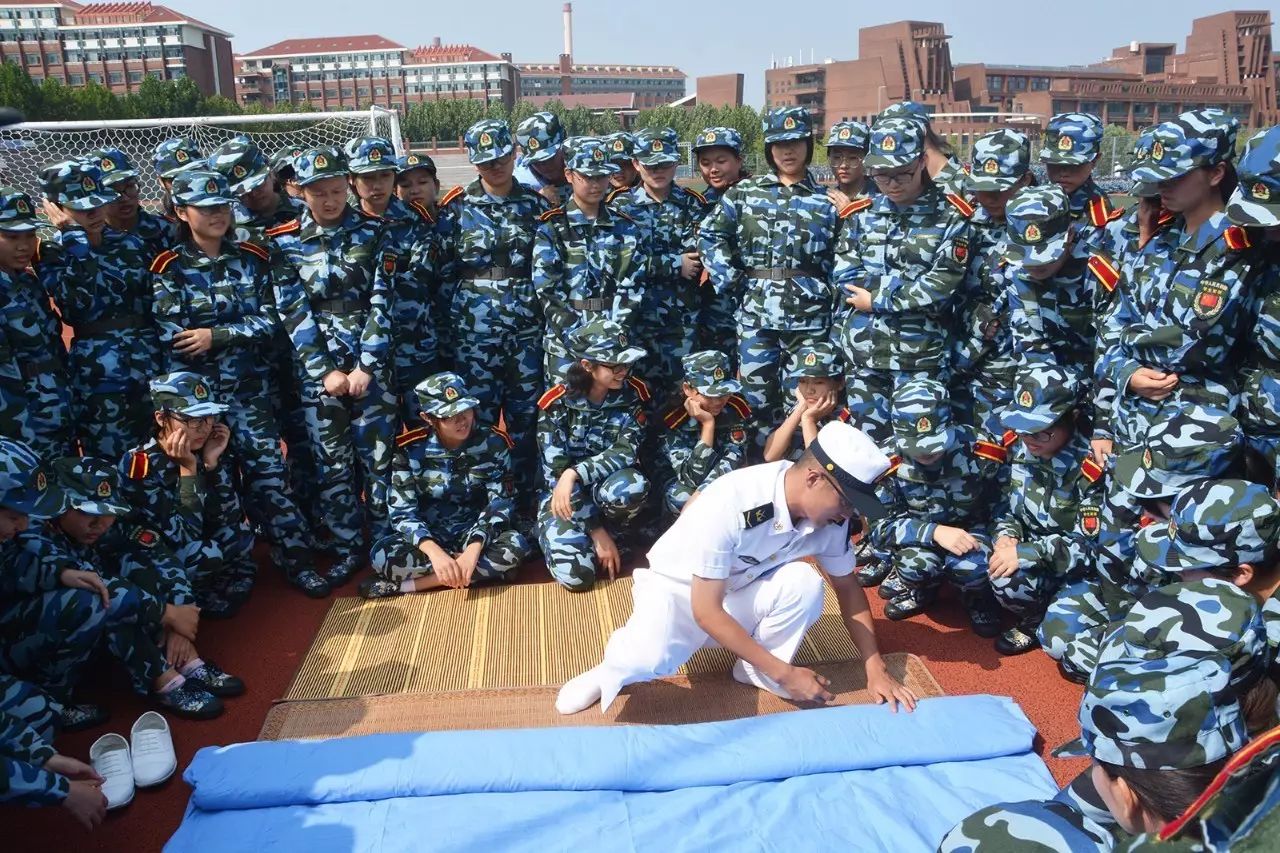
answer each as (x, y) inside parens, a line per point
(675, 496)
(141, 559)
(615, 501)
(923, 567)
(346, 431)
(300, 455)
(766, 384)
(717, 326)
(48, 638)
(869, 396)
(27, 703)
(38, 413)
(991, 389)
(111, 402)
(1074, 625)
(1026, 594)
(397, 559)
(668, 330)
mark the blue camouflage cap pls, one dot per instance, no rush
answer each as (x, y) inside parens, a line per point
(620, 147)
(185, 393)
(1190, 444)
(76, 184)
(1142, 151)
(114, 164)
(586, 156)
(1043, 394)
(719, 137)
(92, 485)
(1038, 222)
(369, 154)
(1072, 139)
(921, 417)
(1030, 825)
(910, 110)
(176, 155)
(895, 142)
(848, 134)
(243, 164)
(817, 361)
(26, 485)
(200, 188)
(785, 123)
(540, 136)
(488, 140)
(316, 164)
(1213, 524)
(1000, 159)
(282, 161)
(444, 395)
(710, 373)
(1192, 140)
(604, 342)
(1256, 201)
(409, 162)
(656, 147)
(17, 211)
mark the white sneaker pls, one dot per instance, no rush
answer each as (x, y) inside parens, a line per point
(153, 758)
(579, 694)
(109, 755)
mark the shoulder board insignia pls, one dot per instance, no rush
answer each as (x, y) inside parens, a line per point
(1092, 470)
(451, 195)
(894, 462)
(162, 261)
(859, 203)
(640, 387)
(139, 465)
(505, 436)
(255, 249)
(1099, 211)
(615, 192)
(755, 517)
(845, 415)
(1232, 769)
(1237, 238)
(622, 213)
(409, 436)
(1105, 271)
(422, 211)
(285, 228)
(740, 405)
(675, 417)
(1166, 216)
(555, 392)
(990, 451)
(551, 214)
(961, 204)
(702, 199)
(1009, 439)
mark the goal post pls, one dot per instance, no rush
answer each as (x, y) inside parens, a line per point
(25, 149)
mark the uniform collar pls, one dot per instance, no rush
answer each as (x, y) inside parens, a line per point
(771, 178)
(476, 193)
(1084, 194)
(925, 202)
(578, 218)
(195, 257)
(782, 521)
(351, 219)
(397, 211)
(1209, 232)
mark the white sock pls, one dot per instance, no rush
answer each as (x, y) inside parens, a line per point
(192, 666)
(411, 585)
(174, 683)
(580, 693)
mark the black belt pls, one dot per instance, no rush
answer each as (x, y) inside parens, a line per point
(110, 324)
(592, 304)
(340, 306)
(496, 273)
(32, 369)
(778, 273)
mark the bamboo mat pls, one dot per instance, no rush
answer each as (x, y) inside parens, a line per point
(520, 635)
(682, 699)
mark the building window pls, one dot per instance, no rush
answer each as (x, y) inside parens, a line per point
(75, 79)
(52, 59)
(1091, 107)
(1039, 84)
(380, 90)
(115, 77)
(331, 93)
(135, 76)
(1153, 63)
(347, 92)
(1017, 84)
(32, 58)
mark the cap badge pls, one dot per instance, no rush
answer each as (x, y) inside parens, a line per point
(107, 164)
(1025, 400)
(1157, 151)
(104, 489)
(844, 133)
(181, 156)
(1261, 191)
(1031, 233)
(321, 161)
(597, 154)
(88, 185)
(42, 482)
(1064, 143)
(412, 160)
(375, 155)
(889, 143)
(486, 140)
(619, 145)
(991, 167)
(656, 147)
(789, 123)
(622, 340)
(200, 392)
(239, 171)
(450, 393)
(1147, 461)
(211, 186)
(709, 136)
(718, 374)
(533, 143)
(22, 207)
(810, 359)
(923, 426)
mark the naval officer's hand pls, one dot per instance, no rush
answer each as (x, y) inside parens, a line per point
(805, 685)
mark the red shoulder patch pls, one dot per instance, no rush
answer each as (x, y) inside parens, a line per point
(862, 202)
(555, 392)
(139, 465)
(894, 462)
(162, 261)
(990, 451)
(640, 387)
(1092, 470)
(1009, 439)
(675, 417)
(1099, 211)
(409, 436)
(422, 211)
(1237, 238)
(1233, 767)
(551, 214)
(961, 204)
(699, 196)
(285, 228)
(845, 415)
(615, 192)
(451, 195)
(255, 249)
(505, 436)
(1105, 271)
(739, 405)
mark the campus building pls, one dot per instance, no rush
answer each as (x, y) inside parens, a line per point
(115, 44)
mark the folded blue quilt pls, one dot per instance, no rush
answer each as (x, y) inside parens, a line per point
(856, 778)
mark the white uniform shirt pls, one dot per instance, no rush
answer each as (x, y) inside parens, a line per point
(739, 529)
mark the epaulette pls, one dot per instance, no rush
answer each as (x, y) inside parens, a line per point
(162, 261)
(702, 199)
(623, 214)
(755, 517)
(845, 415)
(990, 451)
(1165, 217)
(640, 387)
(1009, 439)
(451, 195)
(505, 436)
(894, 462)
(1104, 271)
(1092, 470)
(1234, 769)
(284, 228)
(961, 204)
(139, 465)
(547, 216)
(409, 436)
(255, 249)
(1101, 212)
(615, 192)
(555, 392)
(423, 211)
(739, 405)
(675, 417)
(862, 202)
(1237, 238)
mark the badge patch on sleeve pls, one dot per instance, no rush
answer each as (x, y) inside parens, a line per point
(960, 251)
(1089, 522)
(1211, 298)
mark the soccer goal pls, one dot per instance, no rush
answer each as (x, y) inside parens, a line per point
(27, 148)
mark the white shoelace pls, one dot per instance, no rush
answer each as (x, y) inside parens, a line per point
(149, 742)
(114, 762)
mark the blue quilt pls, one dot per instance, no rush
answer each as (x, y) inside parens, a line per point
(849, 778)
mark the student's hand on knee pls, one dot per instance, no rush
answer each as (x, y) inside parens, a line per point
(606, 549)
(178, 650)
(77, 579)
(562, 495)
(335, 383)
(805, 685)
(182, 619)
(954, 541)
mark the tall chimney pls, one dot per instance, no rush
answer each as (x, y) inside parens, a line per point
(435, 42)
(568, 29)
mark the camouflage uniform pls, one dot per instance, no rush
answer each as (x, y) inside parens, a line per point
(772, 244)
(669, 227)
(951, 177)
(35, 394)
(819, 361)
(912, 260)
(158, 232)
(454, 497)
(174, 156)
(246, 168)
(957, 490)
(540, 137)
(855, 135)
(601, 443)
(689, 465)
(585, 269)
(1073, 139)
(486, 263)
(231, 295)
(103, 293)
(1025, 826)
(26, 745)
(620, 149)
(717, 326)
(332, 289)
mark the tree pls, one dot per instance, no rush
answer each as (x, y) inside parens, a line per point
(18, 91)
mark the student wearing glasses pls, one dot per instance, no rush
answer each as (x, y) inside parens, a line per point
(127, 214)
(846, 150)
(898, 264)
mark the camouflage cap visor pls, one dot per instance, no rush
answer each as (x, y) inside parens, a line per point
(1036, 418)
(93, 504)
(446, 408)
(41, 496)
(1142, 189)
(368, 165)
(81, 199)
(165, 400)
(712, 387)
(712, 139)
(1255, 202)
(1142, 474)
(110, 179)
(1074, 153)
(800, 130)
(17, 214)
(1037, 243)
(650, 157)
(981, 179)
(815, 367)
(882, 159)
(923, 437)
(478, 153)
(593, 168)
(170, 168)
(250, 181)
(1158, 551)
(611, 352)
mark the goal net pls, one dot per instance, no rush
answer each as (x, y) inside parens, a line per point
(25, 149)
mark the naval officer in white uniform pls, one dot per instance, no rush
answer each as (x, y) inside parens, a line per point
(731, 572)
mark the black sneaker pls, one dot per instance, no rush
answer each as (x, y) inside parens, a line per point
(907, 604)
(311, 583)
(213, 605)
(372, 588)
(1015, 641)
(872, 573)
(211, 677)
(343, 570)
(984, 611)
(1070, 674)
(891, 587)
(190, 700)
(74, 718)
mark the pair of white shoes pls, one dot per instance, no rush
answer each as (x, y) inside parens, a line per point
(149, 760)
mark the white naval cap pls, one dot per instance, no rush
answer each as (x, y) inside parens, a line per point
(854, 462)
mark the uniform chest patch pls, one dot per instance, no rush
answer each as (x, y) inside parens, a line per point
(755, 517)
(1089, 521)
(1211, 298)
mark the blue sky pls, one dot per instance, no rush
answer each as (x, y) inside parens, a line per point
(726, 36)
